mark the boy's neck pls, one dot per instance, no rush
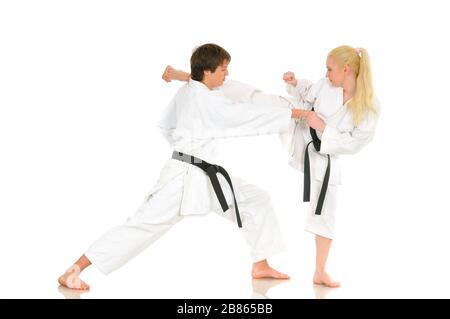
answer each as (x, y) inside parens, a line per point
(208, 85)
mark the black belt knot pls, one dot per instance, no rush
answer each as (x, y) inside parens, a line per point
(212, 170)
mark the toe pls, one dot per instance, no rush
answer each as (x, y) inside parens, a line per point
(283, 276)
(334, 285)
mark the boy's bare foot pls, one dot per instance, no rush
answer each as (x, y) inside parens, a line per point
(71, 279)
(261, 269)
(325, 280)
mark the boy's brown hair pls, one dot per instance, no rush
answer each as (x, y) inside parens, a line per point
(207, 57)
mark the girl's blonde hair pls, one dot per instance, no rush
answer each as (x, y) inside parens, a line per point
(358, 59)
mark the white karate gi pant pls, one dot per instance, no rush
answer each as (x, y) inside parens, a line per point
(324, 224)
(122, 243)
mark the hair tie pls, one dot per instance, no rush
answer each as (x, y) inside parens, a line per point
(358, 51)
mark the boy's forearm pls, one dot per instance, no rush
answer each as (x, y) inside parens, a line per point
(180, 75)
(184, 76)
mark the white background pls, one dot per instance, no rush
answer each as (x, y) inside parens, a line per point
(81, 92)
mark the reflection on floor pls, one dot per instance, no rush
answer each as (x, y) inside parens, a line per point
(260, 289)
(321, 292)
(262, 286)
(71, 293)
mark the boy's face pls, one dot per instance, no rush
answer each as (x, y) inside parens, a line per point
(216, 78)
(335, 74)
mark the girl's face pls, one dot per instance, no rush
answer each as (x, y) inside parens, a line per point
(335, 74)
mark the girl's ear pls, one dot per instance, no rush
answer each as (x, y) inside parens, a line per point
(346, 69)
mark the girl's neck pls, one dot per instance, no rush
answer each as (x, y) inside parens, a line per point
(349, 88)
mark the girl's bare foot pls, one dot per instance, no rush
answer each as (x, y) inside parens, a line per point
(325, 280)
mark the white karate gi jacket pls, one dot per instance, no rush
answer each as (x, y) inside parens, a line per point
(193, 123)
(340, 136)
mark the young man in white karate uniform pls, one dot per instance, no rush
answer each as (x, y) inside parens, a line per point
(196, 119)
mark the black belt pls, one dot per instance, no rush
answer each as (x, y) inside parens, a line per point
(307, 173)
(211, 170)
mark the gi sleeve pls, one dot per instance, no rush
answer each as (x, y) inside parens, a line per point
(301, 91)
(239, 92)
(223, 118)
(336, 142)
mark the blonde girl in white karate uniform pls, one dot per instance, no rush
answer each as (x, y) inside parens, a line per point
(344, 120)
